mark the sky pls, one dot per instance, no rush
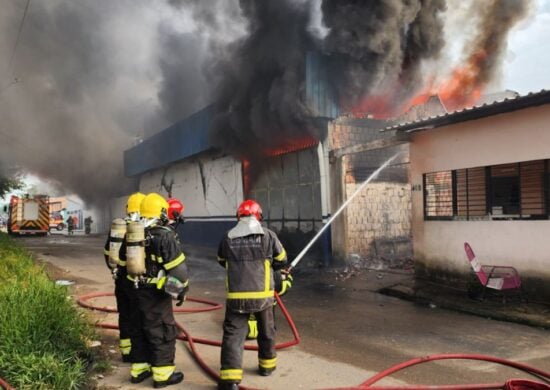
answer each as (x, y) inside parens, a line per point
(527, 63)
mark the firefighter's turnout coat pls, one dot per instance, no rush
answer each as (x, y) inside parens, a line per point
(250, 262)
(250, 255)
(154, 331)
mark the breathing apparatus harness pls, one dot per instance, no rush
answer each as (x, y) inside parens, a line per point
(147, 272)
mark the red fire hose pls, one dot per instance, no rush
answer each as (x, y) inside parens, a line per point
(5, 385)
(185, 336)
(513, 384)
(510, 385)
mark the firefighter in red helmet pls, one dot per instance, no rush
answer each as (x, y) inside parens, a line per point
(255, 251)
(175, 212)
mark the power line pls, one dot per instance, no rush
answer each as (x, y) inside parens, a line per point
(19, 34)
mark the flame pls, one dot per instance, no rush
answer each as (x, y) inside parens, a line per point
(250, 163)
(375, 106)
(289, 146)
(463, 88)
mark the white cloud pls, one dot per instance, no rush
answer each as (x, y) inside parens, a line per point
(528, 60)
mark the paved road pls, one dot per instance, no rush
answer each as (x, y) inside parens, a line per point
(349, 332)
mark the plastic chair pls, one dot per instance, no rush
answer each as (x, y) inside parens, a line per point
(495, 277)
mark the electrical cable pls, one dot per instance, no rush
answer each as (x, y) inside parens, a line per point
(18, 34)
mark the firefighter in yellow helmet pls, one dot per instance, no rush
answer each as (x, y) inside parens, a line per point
(250, 253)
(123, 286)
(165, 278)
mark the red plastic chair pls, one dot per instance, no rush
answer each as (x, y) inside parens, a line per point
(496, 277)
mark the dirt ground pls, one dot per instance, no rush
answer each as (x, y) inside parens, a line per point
(348, 330)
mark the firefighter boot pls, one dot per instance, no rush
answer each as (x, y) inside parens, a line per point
(222, 385)
(172, 378)
(267, 366)
(140, 372)
(266, 371)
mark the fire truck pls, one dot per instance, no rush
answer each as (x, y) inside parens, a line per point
(29, 215)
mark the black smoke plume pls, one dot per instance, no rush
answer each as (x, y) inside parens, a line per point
(378, 46)
(260, 102)
(496, 19)
(87, 78)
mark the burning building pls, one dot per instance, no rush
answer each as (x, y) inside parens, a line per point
(298, 183)
(295, 118)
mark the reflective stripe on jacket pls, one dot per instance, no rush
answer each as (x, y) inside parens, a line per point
(249, 262)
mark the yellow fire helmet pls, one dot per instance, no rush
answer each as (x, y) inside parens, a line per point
(153, 206)
(134, 201)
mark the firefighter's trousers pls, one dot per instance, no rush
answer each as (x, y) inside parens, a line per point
(127, 313)
(235, 329)
(155, 338)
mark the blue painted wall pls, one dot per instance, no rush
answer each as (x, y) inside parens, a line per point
(183, 139)
(204, 233)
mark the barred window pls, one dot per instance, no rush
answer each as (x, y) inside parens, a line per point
(471, 192)
(498, 192)
(438, 195)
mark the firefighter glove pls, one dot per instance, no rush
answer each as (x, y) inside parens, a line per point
(182, 295)
(286, 283)
(173, 286)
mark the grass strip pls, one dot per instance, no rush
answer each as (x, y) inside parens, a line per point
(42, 334)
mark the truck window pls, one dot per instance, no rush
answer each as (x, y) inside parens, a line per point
(30, 210)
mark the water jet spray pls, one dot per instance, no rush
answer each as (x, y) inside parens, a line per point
(342, 207)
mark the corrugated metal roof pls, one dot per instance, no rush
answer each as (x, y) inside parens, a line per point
(519, 102)
(183, 139)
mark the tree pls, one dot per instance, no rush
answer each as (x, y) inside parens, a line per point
(9, 181)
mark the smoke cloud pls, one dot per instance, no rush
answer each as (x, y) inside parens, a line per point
(187, 59)
(497, 17)
(260, 102)
(377, 47)
(483, 51)
(92, 77)
(88, 86)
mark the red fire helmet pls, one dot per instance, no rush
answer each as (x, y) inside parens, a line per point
(175, 208)
(250, 207)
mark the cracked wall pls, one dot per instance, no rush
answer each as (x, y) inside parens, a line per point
(208, 185)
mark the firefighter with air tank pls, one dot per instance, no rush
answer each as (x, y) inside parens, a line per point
(123, 286)
(157, 268)
(251, 254)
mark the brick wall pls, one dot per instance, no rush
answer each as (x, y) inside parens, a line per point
(377, 223)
